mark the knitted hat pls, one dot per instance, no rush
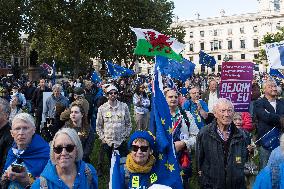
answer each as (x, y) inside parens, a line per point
(144, 135)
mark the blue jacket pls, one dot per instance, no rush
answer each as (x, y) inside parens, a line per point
(139, 180)
(192, 107)
(81, 180)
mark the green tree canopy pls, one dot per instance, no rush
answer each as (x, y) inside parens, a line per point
(73, 31)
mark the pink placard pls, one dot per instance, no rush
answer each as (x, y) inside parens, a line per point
(236, 84)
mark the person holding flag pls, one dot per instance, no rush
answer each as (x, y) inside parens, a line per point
(184, 131)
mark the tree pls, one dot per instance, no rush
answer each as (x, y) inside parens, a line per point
(74, 31)
(11, 23)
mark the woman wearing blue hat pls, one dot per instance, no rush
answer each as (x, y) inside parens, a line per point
(139, 170)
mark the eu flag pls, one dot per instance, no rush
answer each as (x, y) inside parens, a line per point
(117, 71)
(178, 70)
(206, 60)
(161, 125)
(116, 181)
(276, 73)
(95, 77)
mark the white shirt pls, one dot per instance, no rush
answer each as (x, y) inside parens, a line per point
(212, 101)
(273, 104)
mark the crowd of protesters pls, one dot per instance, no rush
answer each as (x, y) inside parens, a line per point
(76, 111)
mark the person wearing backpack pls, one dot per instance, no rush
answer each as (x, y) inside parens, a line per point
(66, 169)
(184, 131)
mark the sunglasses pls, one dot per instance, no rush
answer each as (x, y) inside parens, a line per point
(112, 93)
(135, 148)
(58, 149)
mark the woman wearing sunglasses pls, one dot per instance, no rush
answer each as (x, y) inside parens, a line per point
(79, 122)
(184, 133)
(140, 162)
(66, 169)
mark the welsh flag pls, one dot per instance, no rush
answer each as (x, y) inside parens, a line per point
(152, 43)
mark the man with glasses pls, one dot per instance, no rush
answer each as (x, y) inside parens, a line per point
(113, 125)
(197, 107)
(268, 111)
(221, 150)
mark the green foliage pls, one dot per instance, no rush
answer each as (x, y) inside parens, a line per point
(73, 31)
(11, 23)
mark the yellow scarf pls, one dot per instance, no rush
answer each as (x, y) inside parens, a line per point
(135, 168)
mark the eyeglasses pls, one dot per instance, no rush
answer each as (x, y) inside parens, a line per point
(112, 93)
(58, 149)
(135, 148)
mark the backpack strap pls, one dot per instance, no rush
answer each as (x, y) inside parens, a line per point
(184, 115)
(88, 173)
(43, 183)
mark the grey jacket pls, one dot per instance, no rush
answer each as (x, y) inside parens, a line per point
(210, 158)
(49, 109)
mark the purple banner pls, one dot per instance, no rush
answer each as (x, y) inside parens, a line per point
(236, 84)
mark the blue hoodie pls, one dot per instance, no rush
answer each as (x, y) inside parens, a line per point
(81, 180)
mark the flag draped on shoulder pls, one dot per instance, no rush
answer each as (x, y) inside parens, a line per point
(161, 125)
(178, 70)
(116, 179)
(117, 71)
(152, 43)
(276, 73)
(275, 54)
(206, 60)
(95, 77)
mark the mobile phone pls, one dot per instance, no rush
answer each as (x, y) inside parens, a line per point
(17, 168)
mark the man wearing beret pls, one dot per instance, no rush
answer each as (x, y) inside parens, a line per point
(113, 125)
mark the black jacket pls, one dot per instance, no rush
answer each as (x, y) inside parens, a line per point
(266, 116)
(6, 141)
(218, 173)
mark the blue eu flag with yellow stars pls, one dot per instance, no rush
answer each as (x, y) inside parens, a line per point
(168, 172)
(117, 71)
(276, 73)
(206, 60)
(179, 70)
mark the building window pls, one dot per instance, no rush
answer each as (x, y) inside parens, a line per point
(190, 47)
(220, 44)
(191, 58)
(139, 69)
(255, 43)
(219, 57)
(212, 46)
(230, 57)
(255, 56)
(213, 69)
(254, 28)
(230, 31)
(191, 34)
(230, 44)
(278, 26)
(243, 56)
(215, 32)
(202, 46)
(202, 68)
(242, 30)
(243, 44)
(216, 45)
(201, 33)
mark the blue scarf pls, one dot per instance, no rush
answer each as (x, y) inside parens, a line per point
(35, 157)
